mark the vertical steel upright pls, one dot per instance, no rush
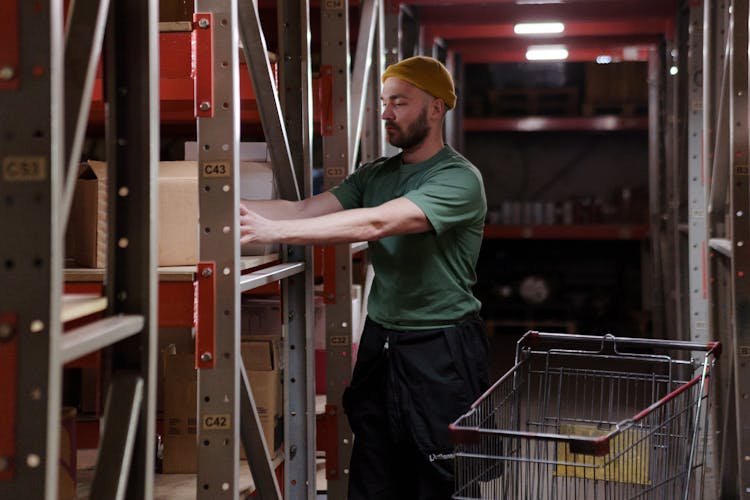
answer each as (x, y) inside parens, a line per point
(372, 125)
(218, 358)
(739, 232)
(336, 164)
(31, 151)
(717, 57)
(454, 134)
(390, 53)
(677, 210)
(655, 130)
(295, 89)
(33, 157)
(697, 325)
(696, 181)
(132, 69)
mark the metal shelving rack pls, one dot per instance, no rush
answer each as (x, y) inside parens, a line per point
(223, 387)
(289, 137)
(44, 86)
(39, 154)
(701, 256)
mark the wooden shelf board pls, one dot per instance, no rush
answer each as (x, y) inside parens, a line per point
(76, 306)
(169, 273)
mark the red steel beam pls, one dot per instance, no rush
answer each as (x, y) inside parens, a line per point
(9, 345)
(609, 27)
(481, 13)
(486, 55)
(10, 59)
(556, 123)
(476, 51)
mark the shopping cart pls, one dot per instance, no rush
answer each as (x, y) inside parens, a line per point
(588, 417)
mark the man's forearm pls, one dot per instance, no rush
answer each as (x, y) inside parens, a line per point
(344, 227)
(320, 204)
(273, 209)
(399, 216)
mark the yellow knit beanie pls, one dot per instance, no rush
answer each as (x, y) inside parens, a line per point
(427, 74)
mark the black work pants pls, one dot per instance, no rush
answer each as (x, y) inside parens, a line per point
(406, 388)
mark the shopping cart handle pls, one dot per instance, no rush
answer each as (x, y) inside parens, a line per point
(597, 447)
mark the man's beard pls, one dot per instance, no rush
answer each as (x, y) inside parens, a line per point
(414, 136)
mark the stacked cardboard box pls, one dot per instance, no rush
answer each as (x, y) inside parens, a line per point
(86, 239)
(262, 359)
(180, 414)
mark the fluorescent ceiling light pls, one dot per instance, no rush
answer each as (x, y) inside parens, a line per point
(546, 53)
(537, 2)
(538, 28)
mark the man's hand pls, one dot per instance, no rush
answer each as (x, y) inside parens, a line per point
(255, 228)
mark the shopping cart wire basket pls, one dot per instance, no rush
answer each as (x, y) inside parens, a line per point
(590, 417)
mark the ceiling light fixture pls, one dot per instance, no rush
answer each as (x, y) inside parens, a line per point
(546, 53)
(537, 2)
(538, 28)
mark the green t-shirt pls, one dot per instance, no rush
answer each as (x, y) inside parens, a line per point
(423, 280)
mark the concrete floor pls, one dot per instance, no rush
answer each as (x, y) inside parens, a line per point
(174, 486)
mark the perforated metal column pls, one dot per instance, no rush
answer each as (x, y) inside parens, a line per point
(31, 162)
(336, 161)
(132, 69)
(299, 349)
(218, 184)
(740, 234)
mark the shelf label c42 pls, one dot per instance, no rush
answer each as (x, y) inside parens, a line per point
(24, 168)
(217, 422)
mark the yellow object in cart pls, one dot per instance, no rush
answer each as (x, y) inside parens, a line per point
(626, 462)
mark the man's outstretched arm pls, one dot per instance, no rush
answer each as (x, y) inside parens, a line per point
(399, 216)
(320, 204)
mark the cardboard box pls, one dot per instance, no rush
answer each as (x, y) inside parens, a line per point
(177, 340)
(180, 414)
(261, 316)
(263, 362)
(262, 359)
(257, 182)
(86, 239)
(249, 151)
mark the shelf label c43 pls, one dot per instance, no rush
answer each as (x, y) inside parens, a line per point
(216, 169)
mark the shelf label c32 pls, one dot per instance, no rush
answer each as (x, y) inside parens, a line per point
(216, 169)
(24, 168)
(217, 422)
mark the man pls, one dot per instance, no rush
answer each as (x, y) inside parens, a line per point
(422, 359)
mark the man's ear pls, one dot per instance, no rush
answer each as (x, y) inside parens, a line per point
(438, 108)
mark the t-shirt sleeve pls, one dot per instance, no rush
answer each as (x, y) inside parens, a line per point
(451, 196)
(350, 192)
